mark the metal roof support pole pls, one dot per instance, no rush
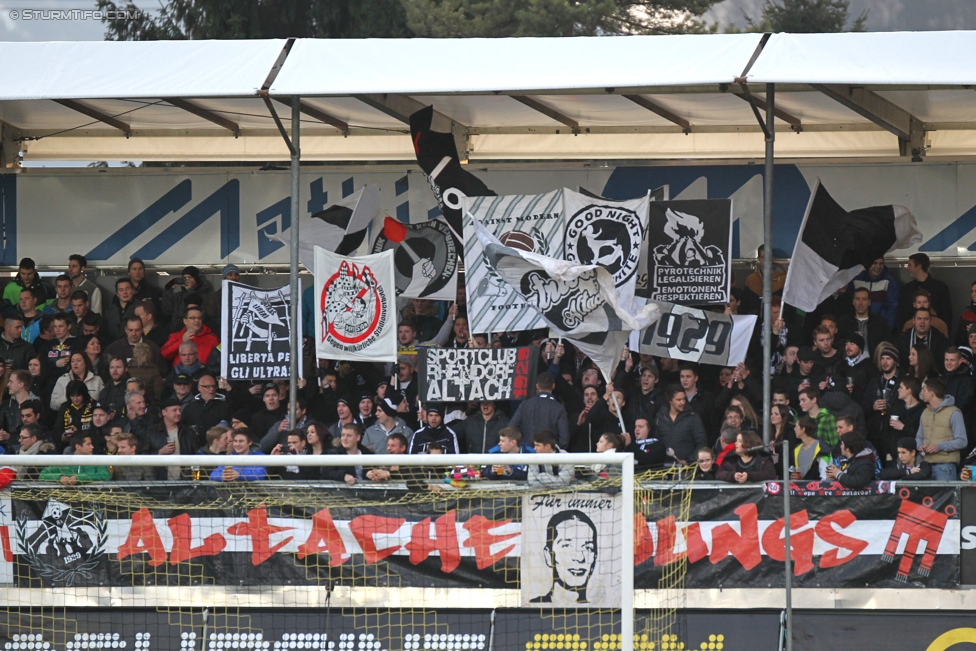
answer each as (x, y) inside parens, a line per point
(770, 133)
(296, 315)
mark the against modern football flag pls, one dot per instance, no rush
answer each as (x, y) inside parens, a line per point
(355, 307)
(437, 156)
(528, 222)
(835, 246)
(341, 228)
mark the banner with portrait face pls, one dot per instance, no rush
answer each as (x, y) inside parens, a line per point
(689, 249)
(571, 554)
(355, 307)
(255, 332)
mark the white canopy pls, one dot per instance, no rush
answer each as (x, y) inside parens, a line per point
(865, 95)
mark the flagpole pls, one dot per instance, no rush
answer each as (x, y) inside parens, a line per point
(293, 284)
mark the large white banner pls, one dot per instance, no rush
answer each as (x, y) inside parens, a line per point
(355, 307)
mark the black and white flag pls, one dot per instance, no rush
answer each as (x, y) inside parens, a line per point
(579, 302)
(689, 251)
(438, 157)
(340, 228)
(255, 332)
(474, 374)
(836, 245)
(693, 335)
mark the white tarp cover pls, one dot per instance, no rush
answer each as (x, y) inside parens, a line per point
(135, 69)
(478, 65)
(895, 58)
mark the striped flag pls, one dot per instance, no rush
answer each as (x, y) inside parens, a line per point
(836, 245)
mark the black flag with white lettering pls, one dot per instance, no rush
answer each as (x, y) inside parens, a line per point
(438, 157)
(255, 332)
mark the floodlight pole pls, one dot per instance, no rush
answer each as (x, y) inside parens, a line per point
(296, 350)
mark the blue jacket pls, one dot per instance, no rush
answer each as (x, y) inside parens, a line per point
(884, 291)
(518, 473)
(248, 473)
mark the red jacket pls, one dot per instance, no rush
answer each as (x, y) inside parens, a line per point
(205, 340)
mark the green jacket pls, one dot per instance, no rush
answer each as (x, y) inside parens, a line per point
(83, 473)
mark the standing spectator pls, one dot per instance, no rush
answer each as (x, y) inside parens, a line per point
(918, 269)
(387, 423)
(77, 264)
(858, 366)
(62, 296)
(151, 330)
(905, 416)
(830, 361)
(15, 351)
(29, 314)
(32, 442)
(679, 428)
(18, 393)
(79, 369)
(435, 431)
(922, 298)
(958, 381)
(139, 421)
(882, 288)
(923, 333)
(479, 432)
(542, 411)
(193, 331)
(697, 400)
(142, 288)
(132, 335)
(182, 292)
(651, 397)
(218, 440)
(826, 423)
(277, 434)
(190, 365)
(942, 432)
(27, 278)
(871, 326)
(170, 436)
(344, 411)
(113, 395)
(207, 408)
(55, 352)
(119, 310)
(648, 451)
(296, 444)
(76, 413)
(967, 319)
(810, 456)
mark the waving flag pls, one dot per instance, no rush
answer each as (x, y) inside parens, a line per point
(836, 245)
(340, 228)
(579, 302)
(438, 157)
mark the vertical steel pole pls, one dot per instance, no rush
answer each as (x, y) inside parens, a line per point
(768, 348)
(296, 345)
(627, 542)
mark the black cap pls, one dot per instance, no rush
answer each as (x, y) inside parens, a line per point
(388, 407)
(805, 355)
(267, 386)
(343, 399)
(183, 378)
(99, 405)
(857, 340)
(435, 409)
(170, 402)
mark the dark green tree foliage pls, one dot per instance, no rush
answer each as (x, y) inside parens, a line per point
(500, 18)
(239, 19)
(809, 16)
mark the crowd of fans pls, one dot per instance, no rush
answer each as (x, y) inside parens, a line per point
(871, 385)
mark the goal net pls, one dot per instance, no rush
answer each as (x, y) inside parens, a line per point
(431, 558)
